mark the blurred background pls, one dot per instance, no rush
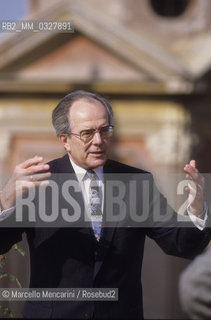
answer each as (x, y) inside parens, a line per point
(151, 59)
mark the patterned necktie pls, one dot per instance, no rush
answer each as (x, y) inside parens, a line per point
(94, 206)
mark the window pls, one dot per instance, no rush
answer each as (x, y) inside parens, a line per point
(169, 8)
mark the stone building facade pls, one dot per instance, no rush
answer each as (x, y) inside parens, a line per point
(152, 61)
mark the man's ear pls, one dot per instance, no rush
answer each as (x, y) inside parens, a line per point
(64, 139)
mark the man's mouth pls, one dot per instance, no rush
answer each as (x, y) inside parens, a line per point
(96, 153)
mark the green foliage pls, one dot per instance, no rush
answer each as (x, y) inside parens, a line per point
(5, 310)
(2, 262)
(21, 251)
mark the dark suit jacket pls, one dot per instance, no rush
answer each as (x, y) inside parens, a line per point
(72, 258)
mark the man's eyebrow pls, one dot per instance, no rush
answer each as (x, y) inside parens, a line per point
(104, 125)
(87, 130)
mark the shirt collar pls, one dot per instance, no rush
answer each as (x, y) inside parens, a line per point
(81, 172)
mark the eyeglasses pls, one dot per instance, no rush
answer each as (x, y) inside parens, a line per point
(87, 135)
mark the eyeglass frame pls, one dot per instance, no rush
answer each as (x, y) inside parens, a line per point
(78, 135)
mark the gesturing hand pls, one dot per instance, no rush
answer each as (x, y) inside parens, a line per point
(195, 188)
(25, 176)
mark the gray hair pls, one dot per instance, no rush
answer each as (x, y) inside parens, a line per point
(60, 115)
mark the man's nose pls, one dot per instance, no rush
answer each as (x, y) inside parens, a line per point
(97, 138)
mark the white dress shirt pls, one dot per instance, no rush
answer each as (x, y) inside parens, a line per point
(4, 214)
(85, 181)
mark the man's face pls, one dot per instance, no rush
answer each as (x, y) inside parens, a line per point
(87, 114)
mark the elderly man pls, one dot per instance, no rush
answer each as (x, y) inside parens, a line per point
(104, 252)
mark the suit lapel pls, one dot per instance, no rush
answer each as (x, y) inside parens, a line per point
(61, 167)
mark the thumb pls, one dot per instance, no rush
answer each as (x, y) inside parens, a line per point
(193, 163)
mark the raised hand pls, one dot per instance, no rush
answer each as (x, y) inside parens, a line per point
(26, 175)
(195, 188)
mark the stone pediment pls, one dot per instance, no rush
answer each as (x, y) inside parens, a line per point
(102, 48)
(80, 59)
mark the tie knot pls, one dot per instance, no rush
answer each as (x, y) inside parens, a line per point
(92, 175)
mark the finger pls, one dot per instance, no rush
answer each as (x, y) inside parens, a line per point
(188, 168)
(33, 161)
(193, 163)
(199, 182)
(188, 177)
(192, 172)
(192, 175)
(192, 186)
(198, 179)
(37, 177)
(187, 190)
(34, 169)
